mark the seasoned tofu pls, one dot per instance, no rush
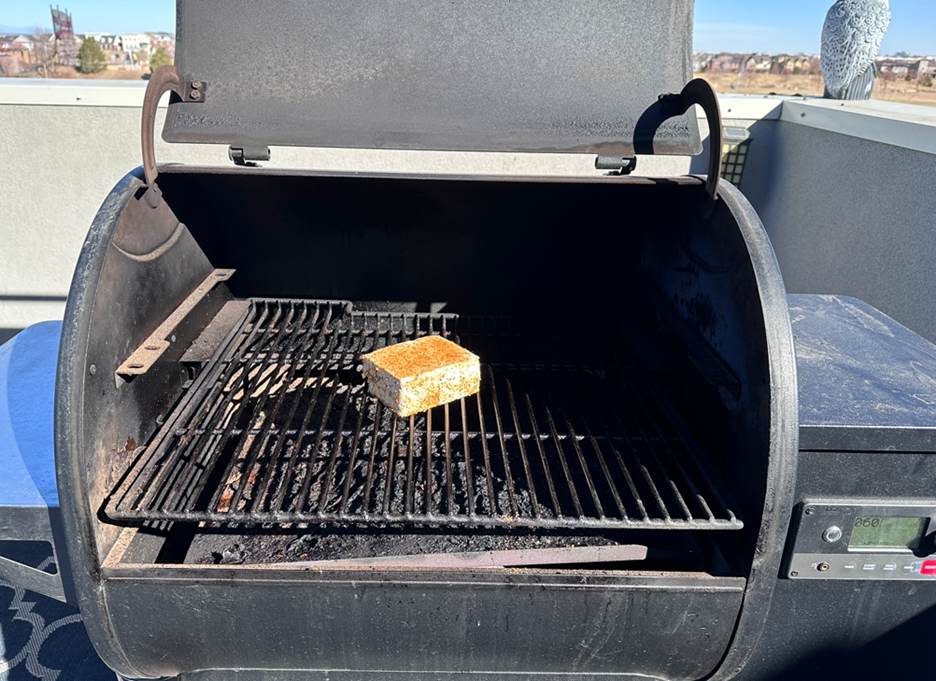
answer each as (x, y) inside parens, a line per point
(417, 375)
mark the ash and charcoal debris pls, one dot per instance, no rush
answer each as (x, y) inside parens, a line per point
(336, 543)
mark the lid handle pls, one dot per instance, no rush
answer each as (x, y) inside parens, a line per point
(166, 78)
(699, 91)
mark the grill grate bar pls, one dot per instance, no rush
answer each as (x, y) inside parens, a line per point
(346, 489)
(562, 461)
(155, 483)
(599, 455)
(241, 409)
(307, 480)
(488, 474)
(508, 476)
(325, 331)
(253, 451)
(292, 452)
(198, 476)
(282, 430)
(369, 483)
(268, 474)
(526, 461)
(427, 482)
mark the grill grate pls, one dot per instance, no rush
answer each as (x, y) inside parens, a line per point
(564, 433)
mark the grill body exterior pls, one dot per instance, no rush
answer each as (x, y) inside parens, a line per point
(707, 288)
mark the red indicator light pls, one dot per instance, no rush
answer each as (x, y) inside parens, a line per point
(928, 568)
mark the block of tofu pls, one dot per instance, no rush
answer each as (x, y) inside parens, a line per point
(417, 375)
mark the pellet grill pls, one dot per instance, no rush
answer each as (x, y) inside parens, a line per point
(615, 500)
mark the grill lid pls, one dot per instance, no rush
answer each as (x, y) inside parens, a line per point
(485, 75)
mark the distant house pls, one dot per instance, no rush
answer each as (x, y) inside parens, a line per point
(165, 41)
(700, 61)
(909, 69)
(22, 43)
(725, 63)
(924, 68)
(758, 63)
(789, 64)
(6, 44)
(135, 42)
(896, 68)
(107, 41)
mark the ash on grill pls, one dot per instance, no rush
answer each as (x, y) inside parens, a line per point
(330, 543)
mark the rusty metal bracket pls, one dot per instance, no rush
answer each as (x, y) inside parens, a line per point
(699, 91)
(140, 361)
(166, 78)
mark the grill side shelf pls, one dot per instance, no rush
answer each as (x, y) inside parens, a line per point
(279, 428)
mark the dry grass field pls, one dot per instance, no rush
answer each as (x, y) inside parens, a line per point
(746, 83)
(762, 84)
(106, 74)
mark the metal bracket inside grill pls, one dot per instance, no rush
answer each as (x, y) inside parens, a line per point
(140, 361)
(564, 433)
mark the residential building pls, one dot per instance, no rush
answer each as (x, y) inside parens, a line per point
(107, 41)
(22, 43)
(725, 63)
(165, 41)
(758, 63)
(924, 68)
(135, 42)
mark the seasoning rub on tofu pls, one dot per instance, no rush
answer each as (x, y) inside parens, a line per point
(420, 374)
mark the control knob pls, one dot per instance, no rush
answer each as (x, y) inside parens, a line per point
(832, 534)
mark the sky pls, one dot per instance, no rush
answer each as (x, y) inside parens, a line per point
(794, 26)
(789, 26)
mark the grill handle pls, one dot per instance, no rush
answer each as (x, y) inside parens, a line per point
(699, 91)
(165, 79)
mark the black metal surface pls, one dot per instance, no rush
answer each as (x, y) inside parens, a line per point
(137, 265)
(884, 378)
(485, 75)
(430, 625)
(136, 616)
(563, 434)
(833, 629)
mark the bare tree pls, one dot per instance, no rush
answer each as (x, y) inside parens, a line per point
(884, 82)
(44, 51)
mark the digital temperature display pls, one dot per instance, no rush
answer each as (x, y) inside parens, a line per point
(886, 532)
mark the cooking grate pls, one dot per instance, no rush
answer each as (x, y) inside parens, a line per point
(564, 433)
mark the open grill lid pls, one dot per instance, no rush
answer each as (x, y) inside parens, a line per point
(484, 75)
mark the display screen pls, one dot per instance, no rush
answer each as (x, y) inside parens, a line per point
(872, 532)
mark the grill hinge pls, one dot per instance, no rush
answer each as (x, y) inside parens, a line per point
(247, 156)
(616, 164)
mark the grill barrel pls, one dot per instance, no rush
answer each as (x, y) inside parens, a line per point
(584, 369)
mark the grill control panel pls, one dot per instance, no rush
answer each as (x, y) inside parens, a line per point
(848, 540)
